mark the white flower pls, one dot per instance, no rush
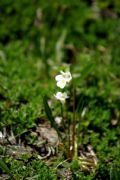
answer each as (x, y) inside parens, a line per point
(63, 78)
(58, 120)
(61, 96)
(61, 81)
(67, 75)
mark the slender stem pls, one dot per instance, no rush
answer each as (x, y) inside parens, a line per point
(74, 123)
(69, 138)
(68, 124)
(62, 113)
(61, 106)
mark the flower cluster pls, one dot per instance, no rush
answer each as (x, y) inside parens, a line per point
(62, 80)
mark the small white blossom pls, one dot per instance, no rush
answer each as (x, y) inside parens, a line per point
(58, 120)
(67, 75)
(61, 82)
(63, 78)
(61, 96)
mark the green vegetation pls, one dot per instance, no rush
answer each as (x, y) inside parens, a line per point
(37, 39)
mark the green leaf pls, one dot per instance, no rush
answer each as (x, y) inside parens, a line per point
(5, 168)
(86, 71)
(80, 105)
(49, 115)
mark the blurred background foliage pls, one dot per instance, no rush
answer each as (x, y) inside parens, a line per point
(80, 23)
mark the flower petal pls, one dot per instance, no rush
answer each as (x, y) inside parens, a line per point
(61, 96)
(58, 77)
(61, 83)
